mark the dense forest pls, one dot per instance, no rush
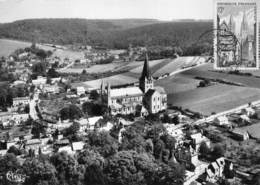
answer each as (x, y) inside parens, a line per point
(108, 33)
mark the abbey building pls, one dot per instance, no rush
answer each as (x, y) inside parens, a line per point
(136, 100)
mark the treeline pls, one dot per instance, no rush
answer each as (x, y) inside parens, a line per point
(39, 53)
(142, 157)
(109, 33)
(180, 34)
(7, 94)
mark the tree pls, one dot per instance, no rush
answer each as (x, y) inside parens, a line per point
(169, 141)
(204, 83)
(94, 95)
(257, 179)
(42, 54)
(52, 73)
(39, 172)
(121, 169)
(14, 150)
(27, 109)
(66, 166)
(159, 147)
(149, 146)
(102, 142)
(38, 128)
(89, 157)
(9, 163)
(72, 130)
(2, 61)
(94, 175)
(71, 112)
(156, 131)
(204, 150)
(94, 109)
(84, 72)
(39, 69)
(173, 174)
(218, 151)
(133, 140)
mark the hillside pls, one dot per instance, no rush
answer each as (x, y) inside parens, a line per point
(109, 33)
(68, 31)
(170, 33)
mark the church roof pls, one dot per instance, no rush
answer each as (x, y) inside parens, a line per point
(160, 89)
(128, 91)
(146, 70)
(150, 92)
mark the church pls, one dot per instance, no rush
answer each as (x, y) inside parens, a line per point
(135, 100)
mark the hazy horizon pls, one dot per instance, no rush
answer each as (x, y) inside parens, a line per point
(162, 10)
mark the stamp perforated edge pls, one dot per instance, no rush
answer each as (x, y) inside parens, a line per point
(257, 35)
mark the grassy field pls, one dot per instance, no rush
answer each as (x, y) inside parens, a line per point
(253, 130)
(92, 69)
(216, 98)
(113, 80)
(179, 63)
(72, 55)
(206, 71)
(177, 84)
(9, 46)
(154, 66)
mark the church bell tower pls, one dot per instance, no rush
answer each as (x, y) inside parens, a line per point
(146, 79)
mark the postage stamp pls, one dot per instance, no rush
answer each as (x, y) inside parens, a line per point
(236, 34)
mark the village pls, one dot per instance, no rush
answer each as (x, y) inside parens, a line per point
(46, 115)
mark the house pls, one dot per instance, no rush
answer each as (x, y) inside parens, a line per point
(8, 118)
(7, 124)
(80, 90)
(78, 146)
(33, 144)
(47, 149)
(249, 111)
(52, 89)
(221, 163)
(21, 101)
(176, 132)
(39, 81)
(124, 122)
(107, 127)
(3, 152)
(84, 124)
(240, 134)
(188, 157)
(197, 139)
(244, 118)
(67, 149)
(221, 120)
(60, 125)
(89, 124)
(70, 95)
(9, 144)
(18, 82)
(55, 80)
(83, 99)
(62, 142)
(218, 169)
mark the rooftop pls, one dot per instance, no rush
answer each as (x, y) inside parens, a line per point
(128, 91)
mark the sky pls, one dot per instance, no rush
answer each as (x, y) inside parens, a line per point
(11, 10)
